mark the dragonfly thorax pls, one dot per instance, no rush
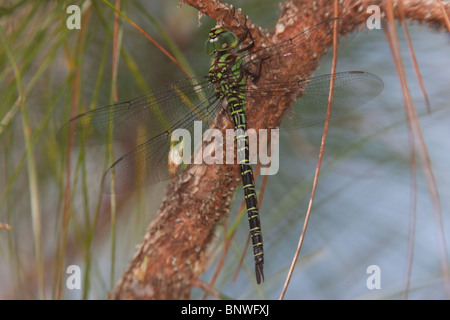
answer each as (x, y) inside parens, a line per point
(227, 75)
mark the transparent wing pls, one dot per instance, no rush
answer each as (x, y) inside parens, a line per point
(146, 125)
(300, 47)
(143, 118)
(352, 89)
(149, 162)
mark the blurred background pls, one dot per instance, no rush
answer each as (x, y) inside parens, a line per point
(365, 197)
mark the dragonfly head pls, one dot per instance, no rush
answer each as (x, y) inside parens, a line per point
(220, 40)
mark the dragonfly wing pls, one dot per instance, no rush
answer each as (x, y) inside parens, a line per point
(152, 161)
(300, 47)
(147, 116)
(145, 165)
(351, 90)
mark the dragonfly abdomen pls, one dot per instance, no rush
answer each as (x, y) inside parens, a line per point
(237, 110)
(229, 79)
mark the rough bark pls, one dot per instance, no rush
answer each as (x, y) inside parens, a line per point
(171, 255)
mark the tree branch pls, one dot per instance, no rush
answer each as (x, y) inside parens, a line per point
(171, 255)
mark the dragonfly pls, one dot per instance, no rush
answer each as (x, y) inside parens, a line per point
(151, 120)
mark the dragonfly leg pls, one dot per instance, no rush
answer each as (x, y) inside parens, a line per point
(255, 75)
(246, 33)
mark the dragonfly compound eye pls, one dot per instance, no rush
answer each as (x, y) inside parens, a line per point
(220, 40)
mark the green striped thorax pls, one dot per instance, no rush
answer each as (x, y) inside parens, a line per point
(220, 39)
(225, 71)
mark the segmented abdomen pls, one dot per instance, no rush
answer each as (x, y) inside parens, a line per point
(229, 80)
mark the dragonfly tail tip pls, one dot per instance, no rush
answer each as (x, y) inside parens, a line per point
(259, 273)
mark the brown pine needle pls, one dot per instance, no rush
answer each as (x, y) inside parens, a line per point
(148, 37)
(319, 162)
(417, 136)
